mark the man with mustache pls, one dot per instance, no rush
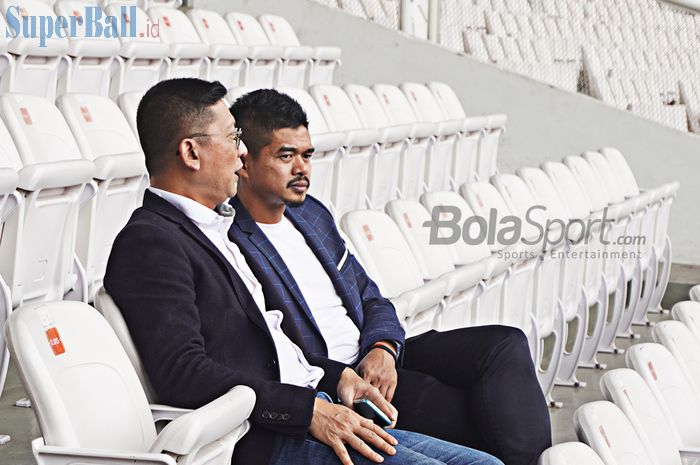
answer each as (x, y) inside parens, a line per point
(473, 386)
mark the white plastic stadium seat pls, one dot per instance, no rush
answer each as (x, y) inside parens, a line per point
(38, 246)
(36, 67)
(570, 453)
(390, 263)
(695, 293)
(77, 375)
(689, 313)
(383, 183)
(90, 58)
(325, 59)
(187, 53)
(353, 171)
(680, 340)
(144, 57)
(604, 427)
(670, 387)
(227, 60)
(105, 137)
(270, 65)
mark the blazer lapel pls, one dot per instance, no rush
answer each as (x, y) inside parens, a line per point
(241, 292)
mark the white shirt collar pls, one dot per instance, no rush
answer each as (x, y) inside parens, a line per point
(194, 210)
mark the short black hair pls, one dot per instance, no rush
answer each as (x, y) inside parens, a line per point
(170, 111)
(262, 111)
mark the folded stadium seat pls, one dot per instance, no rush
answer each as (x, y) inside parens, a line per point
(671, 388)
(187, 52)
(90, 59)
(695, 293)
(632, 267)
(613, 273)
(55, 180)
(569, 453)
(494, 24)
(269, 65)
(330, 149)
(421, 140)
(451, 22)
(554, 266)
(353, 7)
(36, 68)
(129, 105)
(604, 427)
(439, 165)
(626, 389)
(390, 263)
(691, 98)
(377, 14)
(71, 412)
(688, 312)
(228, 61)
(680, 340)
(105, 137)
(144, 58)
(660, 213)
(435, 263)
(495, 50)
(383, 182)
(362, 149)
(582, 281)
(473, 128)
(510, 25)
(528, 288)
(474, 45)
(325, 59)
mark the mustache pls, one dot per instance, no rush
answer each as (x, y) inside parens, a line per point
(299, 179)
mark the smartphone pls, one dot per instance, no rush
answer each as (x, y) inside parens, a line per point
(367, 409)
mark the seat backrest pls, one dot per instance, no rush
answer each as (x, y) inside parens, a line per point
(411, 217)
(545, 193)
(317, 123)
(83, 389)
(336, 107)
(109, 310)
(447, 99)
(677, 337)
(211, 26)
(462, 252)
(9, 157)
(612, 183)
(278, 30)
(100, 46)
(115, 9)
(366, 102)
(129, 105)
(423, 103)
(695, 293)
(622, 170)
(604, 427)
(589, 182)
(570, 453)
(246, 29)
(386, 255)
(520, 201)
(395, 104)
(670, 386)
(484, 200)
(626, 389)
(175, 26)
(573, 197)
(688, 312)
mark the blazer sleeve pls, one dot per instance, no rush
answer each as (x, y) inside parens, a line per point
(151, 279)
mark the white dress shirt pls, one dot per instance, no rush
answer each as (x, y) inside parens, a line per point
(293, 366)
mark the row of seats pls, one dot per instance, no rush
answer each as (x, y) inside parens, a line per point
(237, 49)
(650, 416)
(627, 56)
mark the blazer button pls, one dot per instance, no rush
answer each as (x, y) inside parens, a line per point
(266, 414)
(273, 415)
(285, 417)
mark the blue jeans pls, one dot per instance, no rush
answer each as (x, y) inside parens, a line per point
(413, 449)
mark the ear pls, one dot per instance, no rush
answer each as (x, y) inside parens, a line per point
(187, 151)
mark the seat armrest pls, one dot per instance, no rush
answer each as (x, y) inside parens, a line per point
(192, 431)
(162, 412)
(8, 180)
(55, 174)
(264, 52)
(395, 133)
(689, 451)
(56, 455)
(122, 165)
(423, 129)
(495, 265)
(228, 51)
(328, 141)
(300, 52)
(148, 50)
(361, 137)
(496, 121)
(424, 297)
(473, 124)
(449, 127)
(327, 53)
(188, 50)
(463, 278)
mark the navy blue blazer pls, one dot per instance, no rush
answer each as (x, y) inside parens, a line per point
(198, 330)
(373, 314)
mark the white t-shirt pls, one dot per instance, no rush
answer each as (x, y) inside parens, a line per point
(340, 333)
(293, 366)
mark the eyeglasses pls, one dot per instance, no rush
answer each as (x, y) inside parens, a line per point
(236, 136)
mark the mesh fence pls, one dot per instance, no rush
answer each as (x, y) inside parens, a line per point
(638, 55)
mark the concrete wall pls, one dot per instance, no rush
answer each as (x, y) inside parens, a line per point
(544, 123)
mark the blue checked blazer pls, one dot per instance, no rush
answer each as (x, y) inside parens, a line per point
(373, 314)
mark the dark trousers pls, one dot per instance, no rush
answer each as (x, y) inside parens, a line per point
(476, 387)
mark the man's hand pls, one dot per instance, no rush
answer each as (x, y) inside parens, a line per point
(337, 425)
(379, 369)
(352, 387)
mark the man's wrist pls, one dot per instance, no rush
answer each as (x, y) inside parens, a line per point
(386, 347)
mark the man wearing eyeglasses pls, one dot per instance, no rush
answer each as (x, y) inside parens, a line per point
(197, 314)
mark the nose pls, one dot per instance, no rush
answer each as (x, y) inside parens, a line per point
(242, 149)
(301, 165)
